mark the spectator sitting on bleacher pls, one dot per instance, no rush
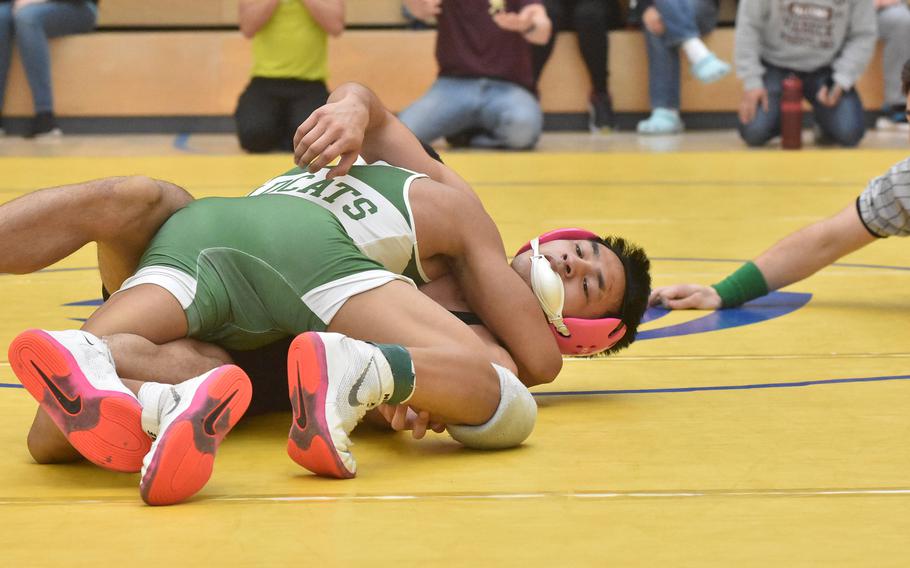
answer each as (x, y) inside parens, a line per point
(30, 23)
(484, 95)
(290, 66)
(827, 44)
(590, 19)
(670, 25)
(894, 30)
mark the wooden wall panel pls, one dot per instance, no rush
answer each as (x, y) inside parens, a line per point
(202, 73)
(165, 13)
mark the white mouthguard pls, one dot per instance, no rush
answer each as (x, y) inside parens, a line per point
(547, 286)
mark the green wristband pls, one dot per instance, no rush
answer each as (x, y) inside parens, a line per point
(747, 283)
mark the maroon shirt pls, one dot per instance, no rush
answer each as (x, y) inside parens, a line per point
(470, 44)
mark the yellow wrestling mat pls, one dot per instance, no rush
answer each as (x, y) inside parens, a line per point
(774, 435)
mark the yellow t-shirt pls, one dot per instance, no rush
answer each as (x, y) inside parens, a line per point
(291, 45)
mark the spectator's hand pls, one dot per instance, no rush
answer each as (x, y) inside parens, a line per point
(19, 4)
(513, 21)
(652, 21)
(830, 97)
(750, 101)
(879, 4)
(403, 417)
(333, 130)
(685, 297)
(424, 10)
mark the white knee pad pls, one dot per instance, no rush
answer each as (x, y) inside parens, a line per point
(510, 425)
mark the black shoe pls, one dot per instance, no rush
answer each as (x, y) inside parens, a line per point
(44, 125)
(463, 139)
(600, 112)
(821, 137)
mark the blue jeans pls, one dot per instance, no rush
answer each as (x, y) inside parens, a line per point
(894, 31)
(844, 123)
(503, 114)
(31, 27)
(683, 19)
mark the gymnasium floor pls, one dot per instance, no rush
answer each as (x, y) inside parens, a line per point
(773, 435)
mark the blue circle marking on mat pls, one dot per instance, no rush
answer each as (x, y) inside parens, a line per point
(774, 305)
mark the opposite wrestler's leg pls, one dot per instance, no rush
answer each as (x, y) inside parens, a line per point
(421, 356)
(188, 421)
(147, 310)
(137, 359)
(121, 214)
(454, 380)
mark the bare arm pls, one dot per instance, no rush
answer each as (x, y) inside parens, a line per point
(445, 292)
(329, 14)
(531, 22)
(493, 290)
(812, 248)
(253, 14)
(353, 122)
(793, 258)
(424, 10)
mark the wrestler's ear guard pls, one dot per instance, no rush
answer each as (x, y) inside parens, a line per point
(574, 336)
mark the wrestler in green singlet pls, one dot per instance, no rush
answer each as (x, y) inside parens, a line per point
(282, 260)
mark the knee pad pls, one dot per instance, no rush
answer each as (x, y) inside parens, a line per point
(510, 425)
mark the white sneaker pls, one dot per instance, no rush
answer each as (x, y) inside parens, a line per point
(193, 418)
(333, 381)
(71, 374)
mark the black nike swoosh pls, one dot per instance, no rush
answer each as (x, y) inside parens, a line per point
(301, 415)
(352, 396)
(70, 405)
(209, 424)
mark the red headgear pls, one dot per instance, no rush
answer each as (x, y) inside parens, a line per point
(586, 336)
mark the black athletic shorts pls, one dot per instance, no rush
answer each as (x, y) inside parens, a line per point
(267, 368)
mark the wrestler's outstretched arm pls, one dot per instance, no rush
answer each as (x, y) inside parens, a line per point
(120, 214)
(793, 258)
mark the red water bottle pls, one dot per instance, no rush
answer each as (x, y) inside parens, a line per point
(791, 113)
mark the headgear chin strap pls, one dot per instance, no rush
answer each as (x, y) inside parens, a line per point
(547, 286)
(575, 336)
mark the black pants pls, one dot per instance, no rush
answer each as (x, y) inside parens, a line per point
(270, 110)
(590, 19)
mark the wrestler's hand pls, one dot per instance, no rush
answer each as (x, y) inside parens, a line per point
(333, 130)
(685, 297)
(403, 417)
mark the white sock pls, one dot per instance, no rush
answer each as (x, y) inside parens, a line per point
(695, 50)
(150, 395)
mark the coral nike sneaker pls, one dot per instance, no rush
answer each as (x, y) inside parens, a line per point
(71, 374)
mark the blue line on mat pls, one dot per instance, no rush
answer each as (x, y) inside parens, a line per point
(74, 269)
(689, 389)
(841, 264)
(730, 387)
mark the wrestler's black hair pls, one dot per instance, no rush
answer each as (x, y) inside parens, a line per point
(637, 268)
(432, 153)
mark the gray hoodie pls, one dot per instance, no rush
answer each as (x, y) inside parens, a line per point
(804, 35)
